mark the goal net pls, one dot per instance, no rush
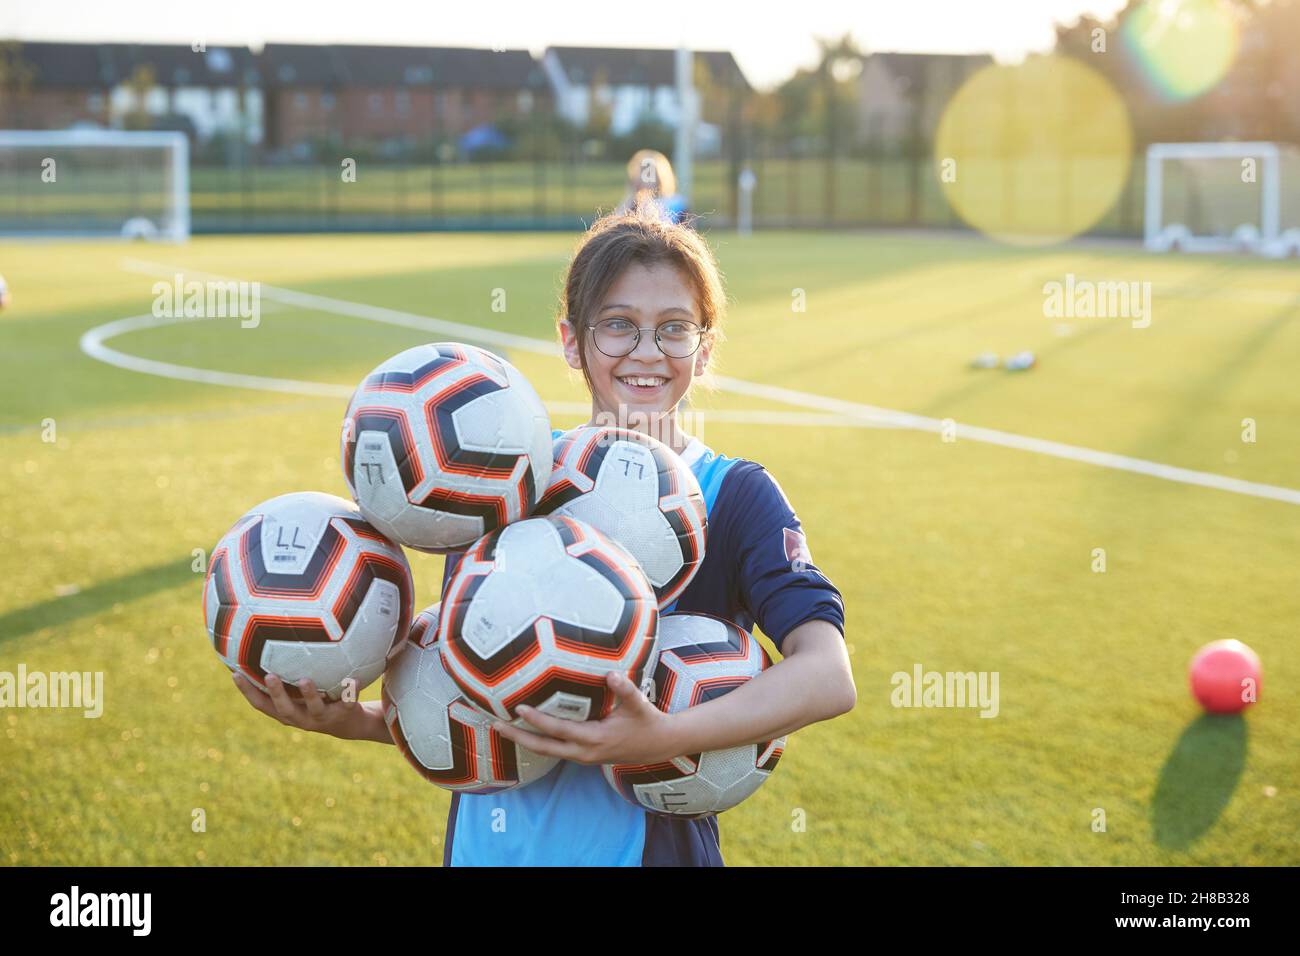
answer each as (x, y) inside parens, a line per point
(94, 183)
(1222, 197)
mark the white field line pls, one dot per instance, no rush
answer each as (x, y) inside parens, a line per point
(92, 343)
(1042, 446)
(372, 313)
(867, 415)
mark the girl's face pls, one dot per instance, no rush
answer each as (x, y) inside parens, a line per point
(645, 383)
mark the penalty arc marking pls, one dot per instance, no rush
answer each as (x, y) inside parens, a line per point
(92, 344)
(834, 411)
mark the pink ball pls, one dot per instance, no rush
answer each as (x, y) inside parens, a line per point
(1218, 676)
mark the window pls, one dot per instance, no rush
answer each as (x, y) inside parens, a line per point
(402, 102)
(376, 104)
(219, 60)
(300, 102)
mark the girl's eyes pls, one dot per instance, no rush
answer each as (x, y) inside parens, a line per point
(625, 326)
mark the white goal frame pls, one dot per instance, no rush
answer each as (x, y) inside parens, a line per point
(178, 147)
(1268, 239)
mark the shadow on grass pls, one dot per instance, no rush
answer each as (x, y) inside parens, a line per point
(59, 611)
(1198, 780)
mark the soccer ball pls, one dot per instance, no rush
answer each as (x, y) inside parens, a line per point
(638, 491)
(1224, 676)
(450, 742)
(700, 658)
(443, 444)
(539, 613)
(4, 293)
(302, 587)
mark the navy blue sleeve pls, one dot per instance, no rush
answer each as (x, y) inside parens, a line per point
(778, 582)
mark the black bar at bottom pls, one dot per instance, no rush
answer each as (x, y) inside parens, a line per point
(354, 904)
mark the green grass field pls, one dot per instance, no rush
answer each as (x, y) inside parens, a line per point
(958, 556)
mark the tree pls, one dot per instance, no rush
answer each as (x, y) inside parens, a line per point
(1253, 101)
(141, 82)
(16, 80)
(840, 63)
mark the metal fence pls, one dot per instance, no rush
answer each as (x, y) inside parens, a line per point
(798, 185)
(792, 191)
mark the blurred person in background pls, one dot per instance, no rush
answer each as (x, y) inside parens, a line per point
(652, 184)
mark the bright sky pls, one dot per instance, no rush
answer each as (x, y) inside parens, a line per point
(769, 39)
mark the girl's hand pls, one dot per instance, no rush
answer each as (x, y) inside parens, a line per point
(634, 732)
(348, 720)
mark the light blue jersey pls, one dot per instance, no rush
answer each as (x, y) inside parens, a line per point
(756, 571)
(585, 822)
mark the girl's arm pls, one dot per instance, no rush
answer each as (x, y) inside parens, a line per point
(354, 720)
(813, 682)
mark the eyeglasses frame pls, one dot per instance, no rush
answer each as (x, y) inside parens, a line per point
(637, 340)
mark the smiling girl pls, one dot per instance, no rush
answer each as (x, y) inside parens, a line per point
(640, 316)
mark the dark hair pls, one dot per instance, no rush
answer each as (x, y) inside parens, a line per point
(616, 241)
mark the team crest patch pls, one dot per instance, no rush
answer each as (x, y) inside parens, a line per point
(796, 549)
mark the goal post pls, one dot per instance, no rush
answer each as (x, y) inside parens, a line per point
(1223, 197)
(688, 116)
(95, 183)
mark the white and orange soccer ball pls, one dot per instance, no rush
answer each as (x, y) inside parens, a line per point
(443, 444)
(449, 741)
(700, 659)
(303, 587)
(638, 491)
(539, 613)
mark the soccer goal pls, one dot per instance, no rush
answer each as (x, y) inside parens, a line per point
(94, 183)
(1223, 197)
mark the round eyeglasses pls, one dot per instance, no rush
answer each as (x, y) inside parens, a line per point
(619, 337)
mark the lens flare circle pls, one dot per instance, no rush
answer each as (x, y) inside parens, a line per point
(1183, 47)
(1035, 153)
